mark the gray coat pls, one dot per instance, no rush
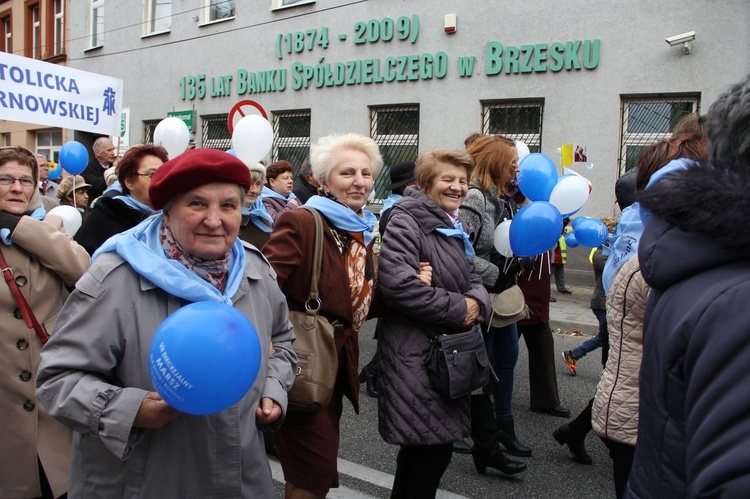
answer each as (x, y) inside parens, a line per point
(410, 412)
(484, 210)
(94, 375)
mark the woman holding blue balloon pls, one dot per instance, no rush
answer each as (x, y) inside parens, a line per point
(144, 366)
(488, 203)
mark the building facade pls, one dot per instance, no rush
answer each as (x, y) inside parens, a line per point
(418, 74)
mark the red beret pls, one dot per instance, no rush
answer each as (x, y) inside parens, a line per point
(194, 168)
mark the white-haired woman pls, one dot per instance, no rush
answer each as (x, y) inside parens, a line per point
(345, 167)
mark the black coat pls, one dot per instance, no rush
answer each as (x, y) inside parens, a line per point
(94, 175)
(108, 217)
(694, 428)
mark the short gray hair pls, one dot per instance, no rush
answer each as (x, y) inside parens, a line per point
(323, 159)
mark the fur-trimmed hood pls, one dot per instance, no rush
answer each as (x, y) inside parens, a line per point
(699, 220)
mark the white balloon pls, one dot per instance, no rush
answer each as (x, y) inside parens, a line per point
(502, 239)
(173, 135)
(569, 194)
(70, 216)
(252, 138)
(523, 150)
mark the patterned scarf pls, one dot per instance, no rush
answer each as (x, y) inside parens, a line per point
(212, 271)
(355, 261)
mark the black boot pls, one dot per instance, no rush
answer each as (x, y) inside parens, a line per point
(486, 451)
(498, 461)
(564, 436)
(369, 376)
(506, 435)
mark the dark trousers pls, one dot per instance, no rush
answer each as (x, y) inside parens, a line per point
(502, 347)
(542, 374)
(622, 460)
(419, 469)
(581, 425)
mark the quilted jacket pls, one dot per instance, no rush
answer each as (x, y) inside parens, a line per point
(615, 410)
(409, 411)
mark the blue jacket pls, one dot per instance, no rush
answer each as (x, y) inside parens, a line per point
(694, 428)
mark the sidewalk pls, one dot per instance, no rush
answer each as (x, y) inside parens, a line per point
(573, 312)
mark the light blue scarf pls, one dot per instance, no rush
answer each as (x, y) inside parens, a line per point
(270, 193)
(458, 232)
(141, 247)
(115, 186)
(134, 203)
(628, 231)
(38, 213)
(389, 202)
(344, 218)
(259, 215)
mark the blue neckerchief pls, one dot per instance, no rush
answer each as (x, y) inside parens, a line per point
(344, 218)
(259, 215)
(141, 248)
(267, 192)
(458, 232)
(389, 202)
(134, 203)
(38, 213)
(116, 186)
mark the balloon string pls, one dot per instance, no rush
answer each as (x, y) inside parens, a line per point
(74, 193)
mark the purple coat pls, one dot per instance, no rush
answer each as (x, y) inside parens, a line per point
(409, 411)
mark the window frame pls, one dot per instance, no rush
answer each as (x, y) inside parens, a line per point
(150, 18)
(33, 49)
(7, 21)
(208, 124)
(54, 30)
(51, 151)
(532, 140)
(407, 140)
(299, 141)
(95, 36)
(643, 139)
(206, 15)
(279, 4)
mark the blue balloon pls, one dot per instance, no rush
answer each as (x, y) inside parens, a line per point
(54, 173)
(74, 157)
(535, 229)
(232, 152)
(591, 232)
(204, 358)
(538, 176)
(571, 241)
(575, 221)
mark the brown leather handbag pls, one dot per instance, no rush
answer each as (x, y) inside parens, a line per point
(318, 360)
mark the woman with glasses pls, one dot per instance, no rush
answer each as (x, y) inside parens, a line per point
(41, 263)
(117, 214)
(277, 194)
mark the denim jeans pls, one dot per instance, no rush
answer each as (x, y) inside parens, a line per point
(502, 347)
(600, 340)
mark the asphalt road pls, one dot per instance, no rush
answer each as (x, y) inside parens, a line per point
(367, 463)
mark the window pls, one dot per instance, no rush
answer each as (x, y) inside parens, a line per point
(217, 10)
(283, 4)
(291, 137)
(216, 132)
(396, 131)
(6, 24)
(49, 143)
(158, 16)
(5, 139)
(96, 24)
(647, 120)
(148, 131)
(516, 120)
(54, 30)
(34, 32)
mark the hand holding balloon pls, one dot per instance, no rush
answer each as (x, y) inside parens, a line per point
(154, 413)
(267, 412)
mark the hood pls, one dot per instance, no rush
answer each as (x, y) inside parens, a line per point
(699, 221)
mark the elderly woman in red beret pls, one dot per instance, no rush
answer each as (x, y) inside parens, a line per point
(94, 376)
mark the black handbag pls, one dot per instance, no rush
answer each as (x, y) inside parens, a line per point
(457, 364)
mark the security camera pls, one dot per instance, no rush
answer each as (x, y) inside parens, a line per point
(688, 37)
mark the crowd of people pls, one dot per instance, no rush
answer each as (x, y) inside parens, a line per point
(81, 311)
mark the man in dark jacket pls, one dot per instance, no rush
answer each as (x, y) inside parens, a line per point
(104, 155)
(694, 427)
(305, 186)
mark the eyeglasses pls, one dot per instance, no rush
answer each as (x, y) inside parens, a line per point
(25, 182)
(149, 174)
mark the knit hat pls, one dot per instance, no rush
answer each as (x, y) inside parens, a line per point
(110, 175)
(66, 185)
(401, 174)
(194, 168)
(259, 167)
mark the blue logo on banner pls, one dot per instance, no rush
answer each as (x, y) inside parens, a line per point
(109, 101)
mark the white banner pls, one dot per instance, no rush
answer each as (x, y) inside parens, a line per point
(33, 91)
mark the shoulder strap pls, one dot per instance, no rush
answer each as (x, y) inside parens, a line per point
(317, 259)
(23, 305)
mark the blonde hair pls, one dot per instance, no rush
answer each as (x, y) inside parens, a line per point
(428, 165)
(323, 154)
